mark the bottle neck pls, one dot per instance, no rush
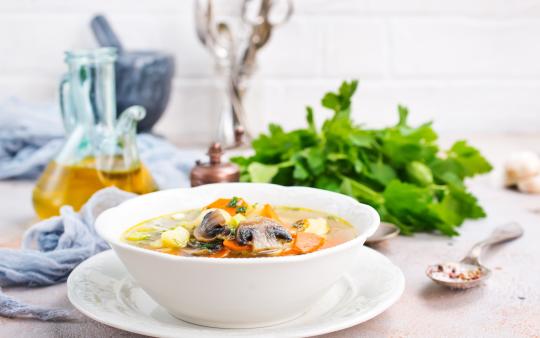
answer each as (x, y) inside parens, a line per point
(88, 90)
(92, 94)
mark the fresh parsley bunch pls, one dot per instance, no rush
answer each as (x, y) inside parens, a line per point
(399, 170)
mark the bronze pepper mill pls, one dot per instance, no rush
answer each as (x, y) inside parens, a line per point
(214, 171)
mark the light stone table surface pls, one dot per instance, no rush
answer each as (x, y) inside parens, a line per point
(507, 306)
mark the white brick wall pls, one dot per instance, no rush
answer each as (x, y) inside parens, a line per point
(469, 65)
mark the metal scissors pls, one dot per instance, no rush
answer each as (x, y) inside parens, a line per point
(262, 16)
(270, 12)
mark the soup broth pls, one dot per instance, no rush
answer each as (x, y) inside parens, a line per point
(231, 227)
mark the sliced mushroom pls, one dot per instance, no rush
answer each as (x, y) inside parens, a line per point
(264, 234)
(212, 226)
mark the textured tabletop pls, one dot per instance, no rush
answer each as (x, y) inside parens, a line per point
(507, 306)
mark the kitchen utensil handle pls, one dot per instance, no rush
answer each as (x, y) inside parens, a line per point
(501, 234)
(104, 33)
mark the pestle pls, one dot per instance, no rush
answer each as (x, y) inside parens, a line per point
(104, 33)
(142, 77)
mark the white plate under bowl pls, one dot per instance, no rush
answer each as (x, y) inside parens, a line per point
(102, 289)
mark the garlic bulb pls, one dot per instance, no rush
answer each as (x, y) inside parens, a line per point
(530, 185)
(521, 166)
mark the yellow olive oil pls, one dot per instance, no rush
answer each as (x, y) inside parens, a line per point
(74, 184)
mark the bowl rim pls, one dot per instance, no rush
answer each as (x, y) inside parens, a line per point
(357, 241)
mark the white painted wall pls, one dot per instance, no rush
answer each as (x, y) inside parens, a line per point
(469, 65)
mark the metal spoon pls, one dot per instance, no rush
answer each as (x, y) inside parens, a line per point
(384, 231)
(469, 272)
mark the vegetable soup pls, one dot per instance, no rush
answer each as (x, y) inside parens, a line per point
(231, 227)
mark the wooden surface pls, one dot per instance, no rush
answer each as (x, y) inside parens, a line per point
(507, 306)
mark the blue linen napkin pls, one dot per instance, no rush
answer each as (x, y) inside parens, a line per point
(30, 136)
(51, 249)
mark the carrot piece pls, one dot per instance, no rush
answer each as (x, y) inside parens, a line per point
(224, 203)
(220, 203)
(233, 246)
(306, 242)
(268, 211)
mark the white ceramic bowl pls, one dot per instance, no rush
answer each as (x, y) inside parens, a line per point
(236, 292)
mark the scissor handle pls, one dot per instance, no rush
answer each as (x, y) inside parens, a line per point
(265, 13)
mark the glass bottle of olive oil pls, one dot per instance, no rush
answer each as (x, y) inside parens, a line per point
(100, 150)
(74, 184)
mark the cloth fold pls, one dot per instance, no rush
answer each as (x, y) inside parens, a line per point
(51, 249)
(12, 308)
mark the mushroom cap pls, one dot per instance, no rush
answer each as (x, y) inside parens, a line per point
(264, 234)
(212, 226)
